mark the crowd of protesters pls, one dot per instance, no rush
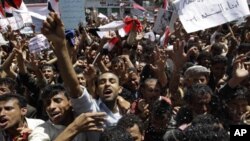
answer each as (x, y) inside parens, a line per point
(141, 90)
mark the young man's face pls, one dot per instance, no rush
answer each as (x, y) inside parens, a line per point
(58, 108)
(200, 104)
(108, 87)
(136, 133)
(4, 89)
(236, 108)
(11, 114)
(48, 73)
(218, 70)
(81, 78)
(197, 79)
(151, 92)
(133, 81)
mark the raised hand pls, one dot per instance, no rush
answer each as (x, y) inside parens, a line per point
(90, 121)
(241, 69)
(178, 55)
(159, 60)
(53, 29)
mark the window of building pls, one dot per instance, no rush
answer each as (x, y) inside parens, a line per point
(34, 1)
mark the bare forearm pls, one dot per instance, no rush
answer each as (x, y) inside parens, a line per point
(162, 77)
(7, 63)
(67, 72)
(52, 61)
(68, 134)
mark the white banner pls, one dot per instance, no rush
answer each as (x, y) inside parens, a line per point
(38, 43)
(202, 14)
(13, 23)
(112, 26)
(17, 21)
(72, 12)
(4, 23)
(161, 21)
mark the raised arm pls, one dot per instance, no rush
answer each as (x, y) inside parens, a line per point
(53, 29)
(84, 122)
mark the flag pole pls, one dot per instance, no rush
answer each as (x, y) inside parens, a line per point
(3, 7)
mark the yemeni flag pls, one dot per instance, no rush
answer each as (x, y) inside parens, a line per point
(6, 9)
(165, 4)
(165, 38)
(2, 13)
(128, 26)
(53, 6)
(14, 3)
(137, 6)
(111, 43)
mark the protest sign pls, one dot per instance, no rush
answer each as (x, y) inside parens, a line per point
(112, 26)
(202, 14)
(72, 12)
(4, 23)
(162, 21)
(2, 40)
(13, 23)
(38, 43)
(37, 20)
(17, 21)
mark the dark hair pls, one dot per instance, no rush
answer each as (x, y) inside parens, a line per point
(217, 48)
(82, 57)
(174, 135)
(143, 85)
(129, 120)
(115, 134)
(205, 119)
(44, 66)
(239, 93)
(22, 102)
(9, 82)
(206, 132)
(243, 48)
(52, 90)
(219, 59)
(195, 90)
(204, 55)
(160, 108)
(78, 70)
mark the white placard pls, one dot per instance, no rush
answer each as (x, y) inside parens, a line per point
(38, 43)
(72, 12)
(162, 21)
(202, 14)
(112, 26)
(19, 21)
(13, 23)
(4, 23)
(2, 40)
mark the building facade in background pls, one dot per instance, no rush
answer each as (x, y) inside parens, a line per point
(107, 7)
(34, 1)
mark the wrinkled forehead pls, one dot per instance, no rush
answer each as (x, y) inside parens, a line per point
(108, 75)
(9, 102)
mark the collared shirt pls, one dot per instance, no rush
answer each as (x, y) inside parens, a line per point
(85, 103)
(31, 123)
(49, 131)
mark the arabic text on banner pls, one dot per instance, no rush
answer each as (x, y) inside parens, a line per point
(38, 43)
(202, 14)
